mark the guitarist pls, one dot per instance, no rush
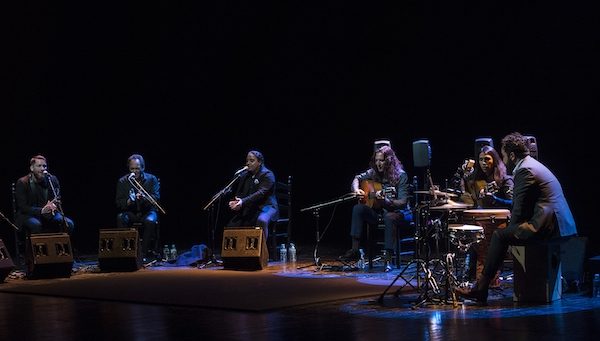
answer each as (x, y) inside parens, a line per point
(390, 201)
(487, 185)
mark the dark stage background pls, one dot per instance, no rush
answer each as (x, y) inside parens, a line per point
(193, 87)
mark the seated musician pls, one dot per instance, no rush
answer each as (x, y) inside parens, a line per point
(382, 190)
(38, 204)
(540, 211)
(487, 185)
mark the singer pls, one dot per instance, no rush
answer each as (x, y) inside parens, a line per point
(135, 207)
(254, 202)
(38, 206)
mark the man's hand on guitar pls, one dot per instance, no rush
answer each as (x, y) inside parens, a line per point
(359, 193)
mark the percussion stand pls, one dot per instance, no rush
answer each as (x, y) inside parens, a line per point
(430, 271)
(445, 261)
(427, 282)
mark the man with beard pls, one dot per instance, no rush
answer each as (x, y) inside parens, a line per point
(37, 196)
(383, 190)
(540, 211)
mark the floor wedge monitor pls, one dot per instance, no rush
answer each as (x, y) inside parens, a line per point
(244, 248)
(49, 255)
(6, 263)
(119, 250)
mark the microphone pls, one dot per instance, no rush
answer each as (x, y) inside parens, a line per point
(131, 175)
(45, 172)
(241, 170)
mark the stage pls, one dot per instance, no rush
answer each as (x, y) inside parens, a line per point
(163, 301)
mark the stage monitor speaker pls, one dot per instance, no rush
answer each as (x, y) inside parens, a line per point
(6, 263)
(119, 250)
(380, 143)
(479, 143)
(244, 248)
(533, 146)
(49, 255)
(421, 153)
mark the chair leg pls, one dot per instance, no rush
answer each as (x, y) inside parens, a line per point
(398, 247)
(369, 247)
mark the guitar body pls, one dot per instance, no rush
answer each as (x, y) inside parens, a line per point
(370, 188)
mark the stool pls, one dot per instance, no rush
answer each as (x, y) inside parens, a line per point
(537, 272)
(380, 228)
(404, 241)
(154, 245)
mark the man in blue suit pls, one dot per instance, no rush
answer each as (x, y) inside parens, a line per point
(540, 211)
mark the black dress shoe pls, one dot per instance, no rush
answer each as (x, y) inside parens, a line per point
(350, 255)
(474, 294)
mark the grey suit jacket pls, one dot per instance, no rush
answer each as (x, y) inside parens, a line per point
(539, 204)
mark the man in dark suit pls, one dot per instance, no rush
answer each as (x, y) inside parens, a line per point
(135, 206)
(37, 196)
(540, 211)
(254, 201)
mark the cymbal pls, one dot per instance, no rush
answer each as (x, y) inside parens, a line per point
(438, 192)
(451, 205)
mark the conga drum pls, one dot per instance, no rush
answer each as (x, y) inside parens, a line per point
(494, 217)
(490, 220)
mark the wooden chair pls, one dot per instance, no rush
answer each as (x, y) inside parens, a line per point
(280, 231)
(20, 236)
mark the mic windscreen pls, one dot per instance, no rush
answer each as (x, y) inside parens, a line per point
(241, 170)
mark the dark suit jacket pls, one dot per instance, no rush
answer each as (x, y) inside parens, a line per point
(149, 182)
(256, 191)
(31, 197)
(539, 205)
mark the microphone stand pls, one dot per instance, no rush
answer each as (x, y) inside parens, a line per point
(315, 210)
(210, 205)
(58, 203)
(9, 222)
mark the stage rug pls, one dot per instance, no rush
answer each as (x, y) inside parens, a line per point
(210, 288)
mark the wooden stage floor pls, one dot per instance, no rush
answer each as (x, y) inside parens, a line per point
(40, 317)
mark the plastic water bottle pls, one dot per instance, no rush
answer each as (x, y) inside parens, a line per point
(282, 254)
(166, 252)
(362, 263)
(596, 286)
(292, 253)
(173, 252)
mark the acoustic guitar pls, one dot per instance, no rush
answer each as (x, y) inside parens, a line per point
(371, 188)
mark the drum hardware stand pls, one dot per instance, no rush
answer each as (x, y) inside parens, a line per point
(428, 285)
(420, 264)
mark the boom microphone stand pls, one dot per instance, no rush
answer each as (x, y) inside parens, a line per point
(9, 222)
(211, 215)
(315, 210)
